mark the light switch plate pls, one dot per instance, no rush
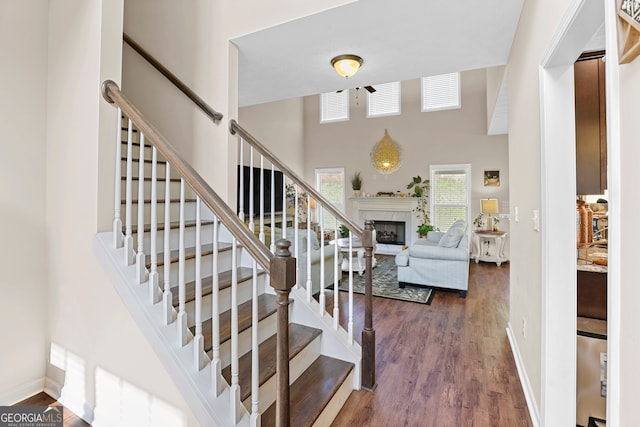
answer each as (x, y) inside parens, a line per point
(536, 220)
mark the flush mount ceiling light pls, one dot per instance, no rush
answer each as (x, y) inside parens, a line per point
(346, 65)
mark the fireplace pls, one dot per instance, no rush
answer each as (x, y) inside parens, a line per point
(390, 232)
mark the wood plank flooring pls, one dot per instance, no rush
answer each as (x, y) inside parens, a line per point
(43, 399)
(447, 364)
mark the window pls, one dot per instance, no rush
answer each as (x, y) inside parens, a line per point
(385, 101)
(441, 92)
(330, 183)
(450, 194)
(334, 106)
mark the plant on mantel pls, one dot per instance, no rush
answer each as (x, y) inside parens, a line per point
(421, 192)
(356, 184)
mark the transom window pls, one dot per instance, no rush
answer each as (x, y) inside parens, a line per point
(334, 106)
(385, 101)
(441, 92)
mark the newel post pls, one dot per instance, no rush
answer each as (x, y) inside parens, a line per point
(368, 333)
(283, 278)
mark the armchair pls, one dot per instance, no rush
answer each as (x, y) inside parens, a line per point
(439, 260)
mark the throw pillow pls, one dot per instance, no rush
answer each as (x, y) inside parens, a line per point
(452, 237)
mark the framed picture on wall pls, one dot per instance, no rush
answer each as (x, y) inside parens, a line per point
(492, 178)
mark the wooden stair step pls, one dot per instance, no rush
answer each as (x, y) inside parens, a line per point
(311, 392)
(299, 337)
(224, 282)
(124, 159)
(174, 225)
(189, 253)
(267, 305)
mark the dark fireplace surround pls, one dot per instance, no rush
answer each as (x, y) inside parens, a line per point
(390, 232)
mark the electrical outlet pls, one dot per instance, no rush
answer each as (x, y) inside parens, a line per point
(524, 328)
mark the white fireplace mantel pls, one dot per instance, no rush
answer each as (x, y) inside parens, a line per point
(387, 209)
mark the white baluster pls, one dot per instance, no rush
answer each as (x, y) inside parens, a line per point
(336, 280)
(350, 326)
(262, 182)
(322, 297)
(167, 296)
(154, 290)
(128, 239)
(284, 206)
(296, 220)
(198, 347)
(117, 222)
(182, 314)
(273, 212)
(251, 183)
(255, 355)
(235, 402)
(216, 363)
(308, 283)
(141, 272)
(241, 180)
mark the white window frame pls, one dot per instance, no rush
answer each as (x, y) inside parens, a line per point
(320, 171)
(326, 97)
(385, 90)
(452, 106)
(436, 169)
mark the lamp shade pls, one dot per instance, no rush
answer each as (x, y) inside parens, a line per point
(489, 206)
(346, 65)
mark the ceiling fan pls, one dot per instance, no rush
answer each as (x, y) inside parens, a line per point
(369, 89)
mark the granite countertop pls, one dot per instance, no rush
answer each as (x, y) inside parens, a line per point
(586, 257)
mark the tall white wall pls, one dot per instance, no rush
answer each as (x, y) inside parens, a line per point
(630, 205)
(23, 259)
(441, 137)
(97, 355)
(538, 22)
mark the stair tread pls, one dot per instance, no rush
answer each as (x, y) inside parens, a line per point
(224, 281)
(299, 337)
(311, 392)
(124, 159)
(267, 305)
(189, 253)
(173, 225)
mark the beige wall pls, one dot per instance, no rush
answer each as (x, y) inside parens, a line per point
(630, 206)
(280, 127)
(441, 137)
(23, 306)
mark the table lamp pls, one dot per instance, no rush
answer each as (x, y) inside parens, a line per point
(489, 207)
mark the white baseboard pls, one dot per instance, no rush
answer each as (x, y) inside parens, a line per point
(52, 388)
(22, 392)
(524, 379)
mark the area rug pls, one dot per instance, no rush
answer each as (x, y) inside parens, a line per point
(385, 283)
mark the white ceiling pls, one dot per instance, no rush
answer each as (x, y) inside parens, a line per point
(398, 40)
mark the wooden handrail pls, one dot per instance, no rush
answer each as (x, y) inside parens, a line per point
(112, 94)
(234, 128)
(213, 114)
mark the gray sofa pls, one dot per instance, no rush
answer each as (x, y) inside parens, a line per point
(439, 260)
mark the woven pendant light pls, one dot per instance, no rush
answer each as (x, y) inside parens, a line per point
(385, 156)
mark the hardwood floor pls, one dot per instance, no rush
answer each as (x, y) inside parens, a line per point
(43, 399)
(447, 364)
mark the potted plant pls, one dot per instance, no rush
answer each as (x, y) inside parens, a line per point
(478, 222)
(356, 184)
(420, 189)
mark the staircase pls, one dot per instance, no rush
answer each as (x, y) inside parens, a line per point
(198, 284)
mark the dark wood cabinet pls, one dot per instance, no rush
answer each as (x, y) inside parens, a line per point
(591, 128)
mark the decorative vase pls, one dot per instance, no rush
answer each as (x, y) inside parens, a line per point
(356, 193)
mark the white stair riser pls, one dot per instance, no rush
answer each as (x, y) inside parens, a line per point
(174, 189)
(206, 237)
(245, 290)
(297, 366)
(266, 328)
(206, 267)
(189, 212)
(330, 412)
(160, 168)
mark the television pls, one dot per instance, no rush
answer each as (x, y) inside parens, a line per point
(257, 184)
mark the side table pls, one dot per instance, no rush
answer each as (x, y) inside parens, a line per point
(482, 250)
